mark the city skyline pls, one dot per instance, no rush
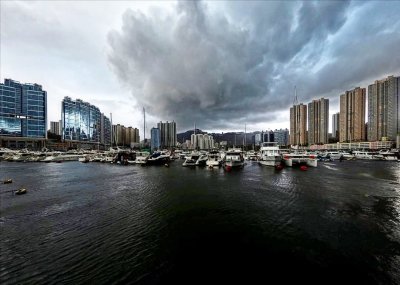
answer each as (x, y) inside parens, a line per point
(80, 56)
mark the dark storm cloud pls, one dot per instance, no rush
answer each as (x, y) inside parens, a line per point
(238, 62)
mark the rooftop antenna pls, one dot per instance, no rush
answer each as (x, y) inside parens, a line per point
(194, 128)
(295, 101)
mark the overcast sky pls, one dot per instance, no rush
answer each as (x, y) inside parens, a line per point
(219, 64)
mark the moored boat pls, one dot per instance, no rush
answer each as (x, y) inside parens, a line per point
(201, 161)
(84, 159)
(191, 159)
(233, 159)
(367, 155)
(158, 158)
(213, 159)
(270, 154)
(292, 159)
(142, 157)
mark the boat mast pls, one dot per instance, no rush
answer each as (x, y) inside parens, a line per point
(194, 139)
(111, 143)
(144, 124)
(245, 137)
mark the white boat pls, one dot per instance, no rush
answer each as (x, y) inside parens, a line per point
(97, 158)
(141, 157)
(291, 159)
(389, 155)
(159, 158)
(191, 159)
(202, 160)
(347, 156)
(59, 157)
(176, 154)
(252, 155)
(366, 155)
(184, 154)
(84, 159)
(334, 155)
(213, 159)
(270, 154)
(234, 158)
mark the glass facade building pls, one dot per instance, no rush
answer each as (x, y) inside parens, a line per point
(83, 122)
(281, 136)
(23, 110)
(155, 139)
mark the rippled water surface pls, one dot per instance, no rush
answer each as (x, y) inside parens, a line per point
(101, 224)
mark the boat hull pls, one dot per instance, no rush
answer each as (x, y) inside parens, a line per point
(189, 163)
(234, 164)
(158, 161)
(212, 163)
(270, 161)
(290, 162)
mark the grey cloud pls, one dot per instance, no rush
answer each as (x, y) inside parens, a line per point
(237, 63)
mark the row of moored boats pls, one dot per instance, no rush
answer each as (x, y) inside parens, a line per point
(269, 155)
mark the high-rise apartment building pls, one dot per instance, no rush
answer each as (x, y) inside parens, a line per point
(335, 125)
(137, 135)
(257, 138)
(23, 110)
(118, 135)
(383, 109)
(105, 131)
(167, 134)
(281, 136)
(193, 141)
(83, 122)
(202, 141)
(55, 128)
(268, 136)
(298, 124)
(318, 121)
(155, 139)
(352, 115)
(125, 136)
(131, 136)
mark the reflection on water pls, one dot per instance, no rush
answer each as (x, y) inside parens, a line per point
(98, 223)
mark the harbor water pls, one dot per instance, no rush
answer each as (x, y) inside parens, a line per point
(102, 223)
